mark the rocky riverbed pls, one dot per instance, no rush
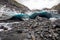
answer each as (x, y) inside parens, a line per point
(33, 29)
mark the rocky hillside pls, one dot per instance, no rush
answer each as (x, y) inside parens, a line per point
(56, 7)
(13, 4)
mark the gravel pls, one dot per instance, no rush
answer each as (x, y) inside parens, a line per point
(33, 29)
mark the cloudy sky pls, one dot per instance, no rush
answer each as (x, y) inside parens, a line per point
(38, 4)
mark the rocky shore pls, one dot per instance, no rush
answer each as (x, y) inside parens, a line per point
(33, 29)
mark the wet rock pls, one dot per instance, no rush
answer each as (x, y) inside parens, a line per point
(5, 28)
(19, 31)
(1, 27)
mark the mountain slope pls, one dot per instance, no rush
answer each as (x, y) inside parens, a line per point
(14, 4)
(57, 7)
